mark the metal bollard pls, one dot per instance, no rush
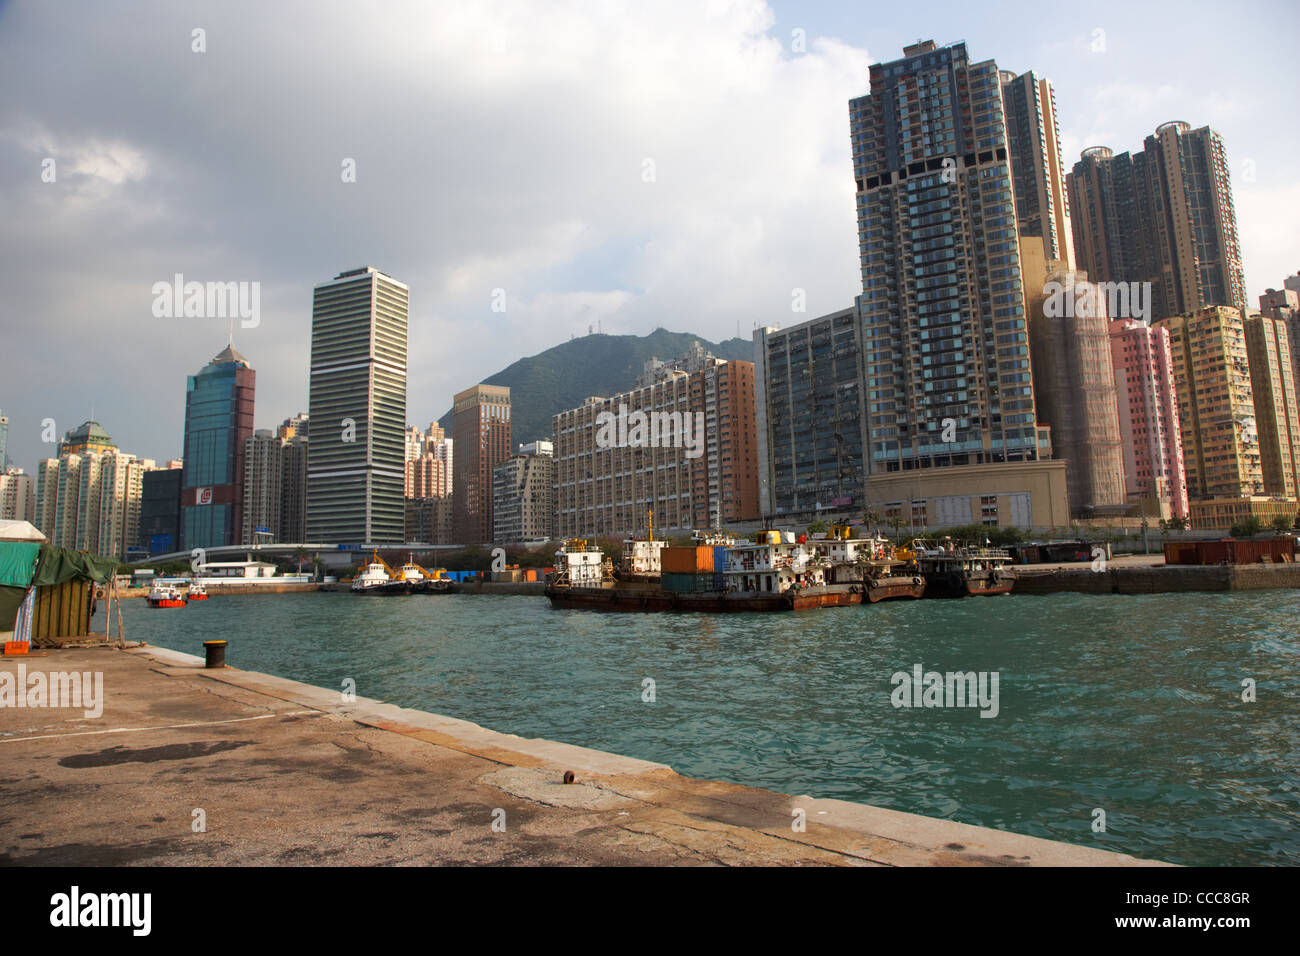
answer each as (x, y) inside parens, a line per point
(216, 653)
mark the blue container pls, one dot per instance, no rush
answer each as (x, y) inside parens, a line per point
(719, 558)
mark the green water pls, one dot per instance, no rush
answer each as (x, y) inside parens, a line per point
(1131, 705)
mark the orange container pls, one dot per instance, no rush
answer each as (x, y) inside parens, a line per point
(686, 560)
(16, 647)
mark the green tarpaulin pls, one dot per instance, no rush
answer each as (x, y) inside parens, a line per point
(11, 600)
(58, 565)
(16, 561)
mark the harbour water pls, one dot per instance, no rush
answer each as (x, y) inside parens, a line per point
(1128, 705)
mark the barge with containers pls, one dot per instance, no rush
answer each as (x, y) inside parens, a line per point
(774, 573)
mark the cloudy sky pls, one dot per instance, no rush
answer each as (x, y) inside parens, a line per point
(634, 164)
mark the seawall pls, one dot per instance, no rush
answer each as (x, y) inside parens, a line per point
(1158, 579)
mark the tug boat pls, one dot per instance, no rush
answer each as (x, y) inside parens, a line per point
(197, 592)
(954, 571)
(165, 595)
(410, 578)
(373, 579)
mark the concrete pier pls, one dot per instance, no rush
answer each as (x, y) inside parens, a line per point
(214, 767)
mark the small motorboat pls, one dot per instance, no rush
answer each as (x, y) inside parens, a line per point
(197, 592)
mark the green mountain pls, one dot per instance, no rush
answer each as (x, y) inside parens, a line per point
(561, 377)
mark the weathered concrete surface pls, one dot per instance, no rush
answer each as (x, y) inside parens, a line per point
(286, 773)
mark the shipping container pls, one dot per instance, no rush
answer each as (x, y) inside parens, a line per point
(720, 559)
(686, 560)
(1231, 551)
(678, 583)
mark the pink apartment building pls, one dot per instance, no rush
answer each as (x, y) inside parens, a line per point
(1148, 415)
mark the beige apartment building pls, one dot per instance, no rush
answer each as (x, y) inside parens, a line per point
(17, 496)
(1272, 379)
(523, 495)
(1216, 405)
(91, 501)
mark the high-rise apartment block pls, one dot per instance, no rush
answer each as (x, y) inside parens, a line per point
(945, 340)
(1216, 408)
(357, 409)
(218, 421)
(17, 496)
(522, 495)
(683, 445)
(481, 435)
(88, 499)
(810, 418)
(1162, 215)
(1150, 427)
(428, 486)
(429, 463)
(1037, 171)
(1272, 378)
(1284, 304)
(263, 487)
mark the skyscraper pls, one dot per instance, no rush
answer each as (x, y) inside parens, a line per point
(1037, 172)
(481, 435)
(1163, 215)
(945, 341)
(357, 409)
(218, 421)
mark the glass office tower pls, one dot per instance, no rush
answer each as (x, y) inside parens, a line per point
(218, 420)
(357, 408)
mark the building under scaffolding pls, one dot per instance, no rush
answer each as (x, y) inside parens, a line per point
(1074, 386)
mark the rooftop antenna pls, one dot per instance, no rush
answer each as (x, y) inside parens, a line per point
(230, 334)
